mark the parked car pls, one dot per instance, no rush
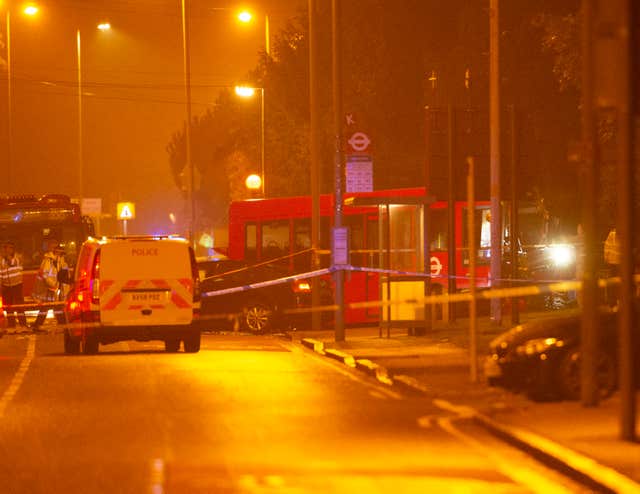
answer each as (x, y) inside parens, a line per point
(542, 357)
(256, 310)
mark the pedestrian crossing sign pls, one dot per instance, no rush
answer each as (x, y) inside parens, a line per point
(126, 210)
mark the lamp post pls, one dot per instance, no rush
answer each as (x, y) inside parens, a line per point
(103, 26)
(248, 92)
(30, 10)
(186, 55)
(246, 17)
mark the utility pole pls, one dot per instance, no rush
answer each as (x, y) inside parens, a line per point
(589, 331)
(337, 123)
(314, 152)
(624, 92)
(494, 145)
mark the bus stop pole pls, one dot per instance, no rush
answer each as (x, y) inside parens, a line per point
(473, 332)
(316, 319)
(337, 122)
(514, 237)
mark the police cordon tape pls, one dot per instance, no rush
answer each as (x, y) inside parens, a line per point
(486, 294)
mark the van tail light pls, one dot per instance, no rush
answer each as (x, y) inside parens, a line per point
(1, 303)
(95, 279)
(195, 276)
(302, 286)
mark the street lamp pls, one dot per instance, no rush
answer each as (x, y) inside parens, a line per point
(30, 10)
(103, 26)
(248, 92)
(186, 56)
(246, 17)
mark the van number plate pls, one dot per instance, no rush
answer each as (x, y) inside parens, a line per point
(148, 297)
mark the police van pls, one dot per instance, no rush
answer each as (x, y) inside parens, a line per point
(133, 288)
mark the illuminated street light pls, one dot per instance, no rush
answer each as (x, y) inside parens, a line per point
(248, 92)
(31, 10)
(244, 91)
(245, 16)
(104, 26)
(253, 182)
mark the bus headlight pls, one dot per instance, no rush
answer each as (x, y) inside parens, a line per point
(562, 255)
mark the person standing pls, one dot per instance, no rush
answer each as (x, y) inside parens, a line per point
(11, 276)
(47, 287)
(612, 262)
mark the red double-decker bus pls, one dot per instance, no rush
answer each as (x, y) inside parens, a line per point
(27, 220)
(385, 231)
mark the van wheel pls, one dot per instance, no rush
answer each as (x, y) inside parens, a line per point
(90, 345)
(257, 317)
(172, 345)
(71, 345)
(192, 343)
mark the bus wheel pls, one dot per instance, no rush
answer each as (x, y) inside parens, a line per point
(256, 317)
(90, 345)
(71, 345)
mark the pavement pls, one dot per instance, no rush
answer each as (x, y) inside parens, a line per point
(581, 441)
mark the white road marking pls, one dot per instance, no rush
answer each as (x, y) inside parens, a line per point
(377, 394)
(533, 480)
(340, 368)
(18, 378)
(157, 480)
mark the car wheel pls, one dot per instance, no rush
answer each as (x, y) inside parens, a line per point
(192, 343)
(570, 375)
(90, 345)
(71, 345)
(172, 345)
(257, 317)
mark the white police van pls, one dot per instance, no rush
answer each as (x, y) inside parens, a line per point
(133, 288)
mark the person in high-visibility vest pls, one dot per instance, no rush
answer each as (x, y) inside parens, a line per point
(612, 260)
(47, 287)
(11, 276)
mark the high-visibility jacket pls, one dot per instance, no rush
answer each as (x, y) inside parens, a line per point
(11, 271)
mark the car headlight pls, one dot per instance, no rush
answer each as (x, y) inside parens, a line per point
(562, 255)
(538, 345)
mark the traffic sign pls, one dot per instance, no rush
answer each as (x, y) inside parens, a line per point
(126, 210)
(91, 206)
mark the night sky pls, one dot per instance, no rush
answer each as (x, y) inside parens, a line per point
(133, 94)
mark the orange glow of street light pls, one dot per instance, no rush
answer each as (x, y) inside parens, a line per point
(245, 16)
(31, 9)
(245, 91)
(253, 182)
(104, 26)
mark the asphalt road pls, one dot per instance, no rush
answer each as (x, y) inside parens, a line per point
(248, 414)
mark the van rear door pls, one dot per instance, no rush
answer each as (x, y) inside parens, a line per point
(146, 283)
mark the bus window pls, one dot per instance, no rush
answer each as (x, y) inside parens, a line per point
(275, 239)
(302, 242)
(372, 246)
(250, 242)
(438, 230)
(356, 239)
(482, 233)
